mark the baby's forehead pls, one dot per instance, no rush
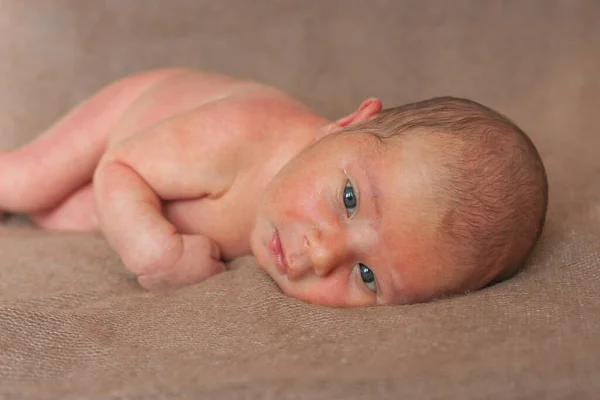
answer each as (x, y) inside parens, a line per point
(424, 271)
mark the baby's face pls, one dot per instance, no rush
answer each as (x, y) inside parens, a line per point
(344, 224)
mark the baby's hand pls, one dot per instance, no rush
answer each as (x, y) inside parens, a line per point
(200, 258)
(130, 214)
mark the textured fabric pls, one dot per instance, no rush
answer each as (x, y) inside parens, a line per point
(74, 324)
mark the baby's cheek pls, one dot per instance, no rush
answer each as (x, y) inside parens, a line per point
(297, 211)
(299, 203)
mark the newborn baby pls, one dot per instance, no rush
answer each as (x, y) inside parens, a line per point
(184, 170)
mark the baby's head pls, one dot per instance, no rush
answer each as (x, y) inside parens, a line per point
(404, 205)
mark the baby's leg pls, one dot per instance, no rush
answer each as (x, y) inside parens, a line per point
(77, 212)
(60, 163)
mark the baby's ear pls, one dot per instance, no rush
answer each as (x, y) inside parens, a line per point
(366, 110)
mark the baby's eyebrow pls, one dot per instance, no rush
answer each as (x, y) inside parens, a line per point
(373, 183)
(375, 193)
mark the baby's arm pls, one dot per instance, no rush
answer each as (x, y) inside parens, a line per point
(166, 162)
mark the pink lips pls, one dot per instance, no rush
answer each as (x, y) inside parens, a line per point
(277, 254)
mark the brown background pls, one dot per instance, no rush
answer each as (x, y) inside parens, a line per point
(73, 324)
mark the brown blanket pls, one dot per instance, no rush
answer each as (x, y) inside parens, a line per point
(73, 324)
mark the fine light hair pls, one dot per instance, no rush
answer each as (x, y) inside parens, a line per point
(492, 183)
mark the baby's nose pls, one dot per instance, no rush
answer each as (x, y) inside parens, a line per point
(326, 250)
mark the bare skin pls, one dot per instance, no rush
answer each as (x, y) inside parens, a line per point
(183, 170)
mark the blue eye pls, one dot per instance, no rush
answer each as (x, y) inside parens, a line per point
(367, 277)
(349, 199)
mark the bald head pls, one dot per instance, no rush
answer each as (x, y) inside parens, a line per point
(490, 182)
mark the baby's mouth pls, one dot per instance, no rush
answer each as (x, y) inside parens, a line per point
(277, 253)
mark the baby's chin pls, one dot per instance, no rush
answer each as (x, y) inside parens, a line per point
(258, 252)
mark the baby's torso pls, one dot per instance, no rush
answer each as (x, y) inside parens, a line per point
(249, 132)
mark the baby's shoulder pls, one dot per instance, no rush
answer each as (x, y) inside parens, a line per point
(237, 107)
(261, 111)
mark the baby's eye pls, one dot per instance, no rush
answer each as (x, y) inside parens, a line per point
(367, 277)
(349, 199)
